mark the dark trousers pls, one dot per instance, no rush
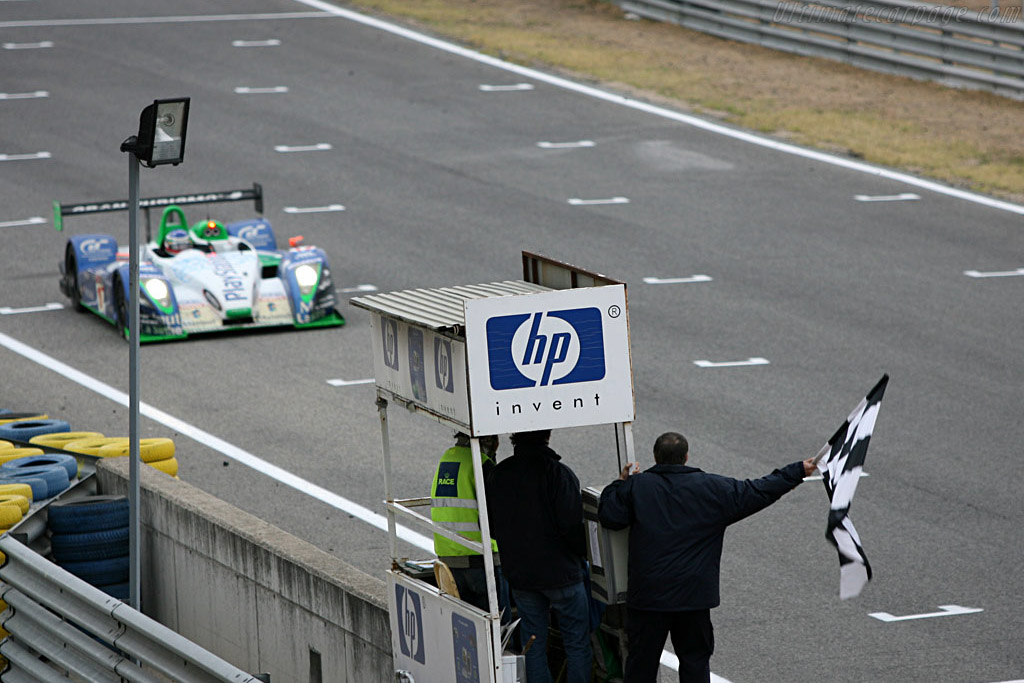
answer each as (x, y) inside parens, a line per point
(693, 639)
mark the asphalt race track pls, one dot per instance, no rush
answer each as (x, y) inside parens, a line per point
(831, 273)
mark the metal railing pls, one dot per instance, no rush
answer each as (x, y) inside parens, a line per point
(952, 45)
(62, 628)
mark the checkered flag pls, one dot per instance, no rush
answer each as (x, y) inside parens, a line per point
(840, 462)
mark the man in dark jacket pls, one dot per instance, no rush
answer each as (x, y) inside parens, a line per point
(677, 517)
(535, 509)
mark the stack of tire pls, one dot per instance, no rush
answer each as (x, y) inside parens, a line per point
(46, 474)
(15, 500)
(158, 453)
(89, 538)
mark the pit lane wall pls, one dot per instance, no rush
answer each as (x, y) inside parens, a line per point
(249, 592)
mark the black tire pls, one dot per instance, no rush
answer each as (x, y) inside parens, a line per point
(88, 514)
(120, 309)
(98, 545)
(100, 572)
(71, 279)
(121, 591)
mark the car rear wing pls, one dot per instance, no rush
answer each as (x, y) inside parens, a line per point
(255, 195)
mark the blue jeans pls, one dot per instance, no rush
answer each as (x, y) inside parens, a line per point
(571, 604)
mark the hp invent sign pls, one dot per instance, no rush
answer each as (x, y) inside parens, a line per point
(549, 360)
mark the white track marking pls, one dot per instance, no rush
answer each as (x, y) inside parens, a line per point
(23, 95)
(25, 157)
(694, 121)
(566, 145)
(185, 19)
(204, 438)
(244, 90)
(349, 382)
(52, 306)
(273, 42)
(576, 201)
(947, 611)
(904, 197)
(318, 147)
(359, 288)
(997, 273)
(730, 363)
(35, 220)
(314, 209)
(42, 45)
(506, 88)
(676, 280)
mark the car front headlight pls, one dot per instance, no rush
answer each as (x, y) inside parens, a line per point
(159, 293)
(307, 277)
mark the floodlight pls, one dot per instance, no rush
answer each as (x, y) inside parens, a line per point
(161, 138)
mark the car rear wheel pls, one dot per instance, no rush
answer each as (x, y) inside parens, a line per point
(71, 279)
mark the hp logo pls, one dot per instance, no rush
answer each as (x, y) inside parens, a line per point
(443, 365)
(389, 335)
(545, 348)
(410, 624)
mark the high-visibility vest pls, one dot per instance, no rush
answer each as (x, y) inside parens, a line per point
(453, 501)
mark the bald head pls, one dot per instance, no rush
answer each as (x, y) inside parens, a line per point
(671, 448)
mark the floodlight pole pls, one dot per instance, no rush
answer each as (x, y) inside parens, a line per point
(134, 465)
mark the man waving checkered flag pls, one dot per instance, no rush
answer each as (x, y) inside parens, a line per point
(840, 462)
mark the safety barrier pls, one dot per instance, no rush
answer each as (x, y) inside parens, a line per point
(61, 627)
(951, 45)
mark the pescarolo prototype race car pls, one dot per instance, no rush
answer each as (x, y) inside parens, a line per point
(204, 277)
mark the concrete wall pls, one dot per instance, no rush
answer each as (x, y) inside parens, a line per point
(251, 593)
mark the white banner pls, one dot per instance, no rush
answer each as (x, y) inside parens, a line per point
(420, 366)
(549, 360)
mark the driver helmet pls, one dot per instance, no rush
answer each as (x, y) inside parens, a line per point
(176, 241)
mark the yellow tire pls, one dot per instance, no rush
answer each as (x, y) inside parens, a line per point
(60, 439)
(5, 444)
(15, 453)
(23, 417)
(169, 466)
(23, 490)
(150, 450)
(10, 515)
(92, 445)
(21, 502)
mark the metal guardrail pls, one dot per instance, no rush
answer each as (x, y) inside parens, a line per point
(62, 628)
(952, 45)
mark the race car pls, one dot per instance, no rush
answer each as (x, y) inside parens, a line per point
(198, 278)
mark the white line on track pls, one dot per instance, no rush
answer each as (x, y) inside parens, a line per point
(576, 201)
(244, 90)
(902, 197)
(730, 363)
(273, 42)
(24, 157)
(23, 95)
(566, 145)
(42, 45)
(359, 288)
(35, 220)
(676, 280)
(184, 19)
(52, 306)
(506, 88)
(318, 147)
(210, 441)
(349, 382)
(995, 273)
(671, 661)
(944, 611)
(694, 121)
(314, 209)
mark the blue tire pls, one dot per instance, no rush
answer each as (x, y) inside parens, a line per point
(68, 462)
(88, 514)
(55, 477)
(121, 591)
(97, 545)
(38, 484)
(26, 429)
(100, 572)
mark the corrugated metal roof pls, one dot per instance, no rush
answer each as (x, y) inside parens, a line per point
(443, 308)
